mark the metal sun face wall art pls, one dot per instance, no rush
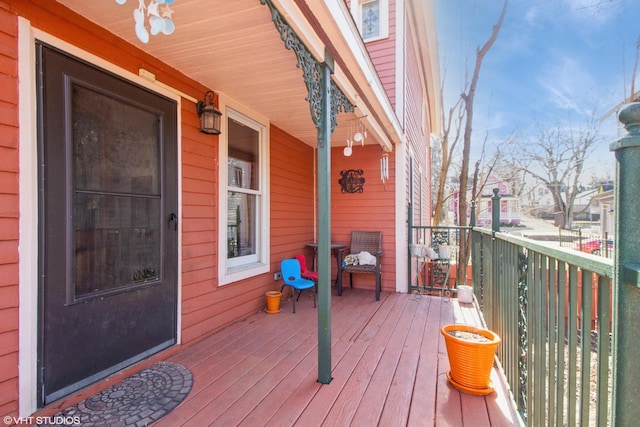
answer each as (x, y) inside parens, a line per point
(159, 14)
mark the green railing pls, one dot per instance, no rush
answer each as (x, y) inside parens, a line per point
(556, 337)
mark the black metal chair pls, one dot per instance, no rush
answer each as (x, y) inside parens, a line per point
(369, 241)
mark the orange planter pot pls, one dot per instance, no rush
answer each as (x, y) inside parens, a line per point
(273, 302)
(470, 361)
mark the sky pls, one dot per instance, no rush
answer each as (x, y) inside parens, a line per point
(554, 62)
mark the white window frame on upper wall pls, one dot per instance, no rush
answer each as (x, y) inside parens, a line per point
(239, 268)
(356, 11)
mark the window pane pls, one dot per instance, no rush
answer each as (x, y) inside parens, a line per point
(243, 156)
(241, 224)
(370, 19)
(115, 144)
(117, 242)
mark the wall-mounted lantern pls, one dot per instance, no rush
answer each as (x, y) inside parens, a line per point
(209, 115)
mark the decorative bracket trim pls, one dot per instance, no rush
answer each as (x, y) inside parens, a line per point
(312, 72)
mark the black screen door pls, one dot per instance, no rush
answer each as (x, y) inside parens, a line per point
(107, 223)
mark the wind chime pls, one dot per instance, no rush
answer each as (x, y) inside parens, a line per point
(157, 12)
(357, 133)
(384, 167)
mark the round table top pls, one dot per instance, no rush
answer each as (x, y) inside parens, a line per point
(333, 245)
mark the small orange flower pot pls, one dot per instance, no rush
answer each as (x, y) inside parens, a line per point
(273, 301)
(470, 360)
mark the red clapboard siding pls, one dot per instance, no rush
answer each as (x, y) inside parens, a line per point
(292, 196)
(373, 209)
(9, 213)
(383, 56)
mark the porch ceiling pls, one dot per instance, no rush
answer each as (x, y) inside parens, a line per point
(233, 48)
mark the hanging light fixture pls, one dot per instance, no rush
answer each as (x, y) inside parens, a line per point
(209, 115)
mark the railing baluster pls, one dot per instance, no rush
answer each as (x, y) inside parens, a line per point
(539, 367)
(572, 335)
(604, 349)
(552, 339)
(562, 304)
(585, 348)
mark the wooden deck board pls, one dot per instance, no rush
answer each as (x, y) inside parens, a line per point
(375, 397)
(389, 367)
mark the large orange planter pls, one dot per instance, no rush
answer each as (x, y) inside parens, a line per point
(470, 361)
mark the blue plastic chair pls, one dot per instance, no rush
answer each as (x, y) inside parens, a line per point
(290, 269)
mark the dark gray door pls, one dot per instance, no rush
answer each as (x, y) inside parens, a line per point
(107, 223)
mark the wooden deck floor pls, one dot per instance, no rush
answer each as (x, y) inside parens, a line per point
(389, 364)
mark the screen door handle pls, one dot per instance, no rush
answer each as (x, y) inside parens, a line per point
(173, 218)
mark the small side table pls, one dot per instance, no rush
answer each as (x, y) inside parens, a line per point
(335, 248)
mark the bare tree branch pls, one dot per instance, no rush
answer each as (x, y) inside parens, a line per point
(468, 99)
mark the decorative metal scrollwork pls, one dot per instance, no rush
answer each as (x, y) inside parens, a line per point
(339, 102)
(522, 329)
(352, 181)
(312, 72)
(439, 238)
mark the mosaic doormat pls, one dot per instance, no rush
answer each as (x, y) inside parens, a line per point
(138, 400)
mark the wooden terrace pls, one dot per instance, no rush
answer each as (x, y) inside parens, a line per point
(389, 364)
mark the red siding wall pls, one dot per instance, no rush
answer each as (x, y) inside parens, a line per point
(9, 212)
(383, 56)
(373, 209)
(206, 306)
(417, 134)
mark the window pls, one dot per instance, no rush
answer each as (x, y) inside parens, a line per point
(243, 198)
(372, 18)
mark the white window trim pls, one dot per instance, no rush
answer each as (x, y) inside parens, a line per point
(250, 266)
(356, 11)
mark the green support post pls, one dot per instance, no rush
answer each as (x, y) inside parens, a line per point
(326, 100)
(324, 226)
(626, 332)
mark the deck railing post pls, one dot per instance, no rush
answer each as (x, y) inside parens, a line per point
(472, 219)
(626, 331)
(495, 211)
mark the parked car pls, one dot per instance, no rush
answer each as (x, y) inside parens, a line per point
(593, 246)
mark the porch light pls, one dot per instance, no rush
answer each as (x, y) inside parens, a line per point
(209, 115)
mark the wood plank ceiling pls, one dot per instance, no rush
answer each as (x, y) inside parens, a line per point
(231, 47)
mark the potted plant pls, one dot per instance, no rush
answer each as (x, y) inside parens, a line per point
(273, 301)
(471, 352)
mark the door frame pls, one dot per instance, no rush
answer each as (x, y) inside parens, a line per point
(28, 194)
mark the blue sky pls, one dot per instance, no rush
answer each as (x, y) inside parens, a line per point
(554, 61)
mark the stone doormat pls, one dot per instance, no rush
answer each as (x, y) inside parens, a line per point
(138, 400)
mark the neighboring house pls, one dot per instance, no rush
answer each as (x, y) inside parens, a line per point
(509, 204)
(127, 233)
(602, 205)
(539, 200)
(582, 206)
(539, 203)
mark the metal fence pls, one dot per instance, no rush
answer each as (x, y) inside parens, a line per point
(588, 242)
(553, 311)
(434, 258)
